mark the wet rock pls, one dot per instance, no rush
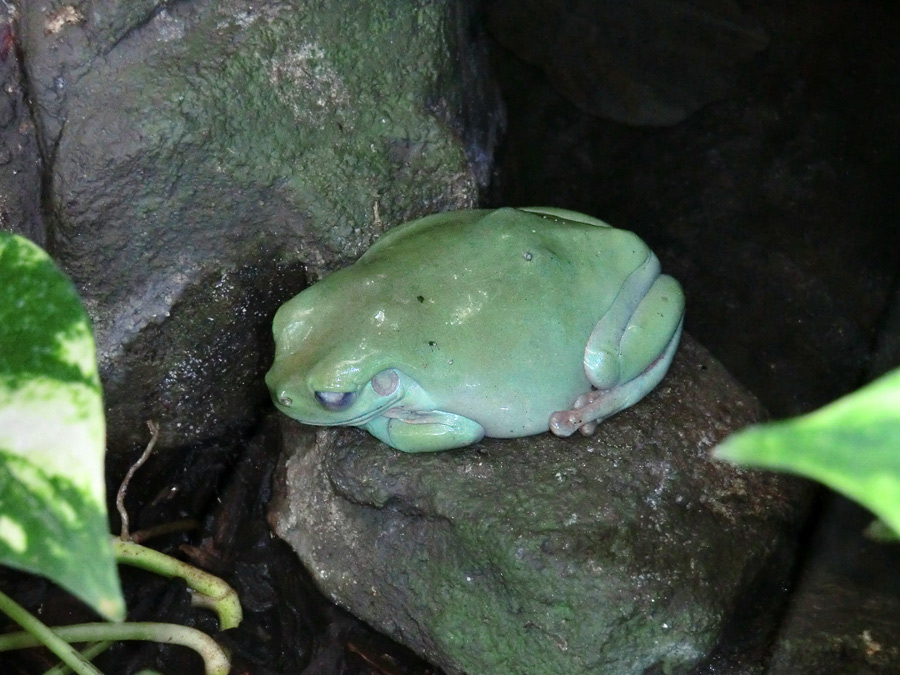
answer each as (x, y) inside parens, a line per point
(208, 158)
(627, 552)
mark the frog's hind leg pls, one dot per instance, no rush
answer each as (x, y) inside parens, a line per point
(628, 362)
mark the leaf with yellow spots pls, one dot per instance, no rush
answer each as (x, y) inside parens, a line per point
(52, 432)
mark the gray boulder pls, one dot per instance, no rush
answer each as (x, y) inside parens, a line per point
(626, 552)
(207, 159)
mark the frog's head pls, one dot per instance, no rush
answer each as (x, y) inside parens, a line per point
(332, 395)
(326, 370)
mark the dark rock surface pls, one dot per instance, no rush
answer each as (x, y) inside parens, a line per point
(843, 614)
(644, 62)
(621, 553)
(20, 162)
(205, 159)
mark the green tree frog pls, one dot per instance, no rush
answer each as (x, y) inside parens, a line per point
(478, 323)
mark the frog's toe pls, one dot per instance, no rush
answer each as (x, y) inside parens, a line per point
(567, 422)
(587, 399)
(564, 422)
(588, 428)
(581, 401)
(582, 417)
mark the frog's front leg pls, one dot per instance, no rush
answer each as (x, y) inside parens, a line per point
(630, 349)
(425, 431)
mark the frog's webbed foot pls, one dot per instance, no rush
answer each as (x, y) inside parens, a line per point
(583, 415)
(597, 405)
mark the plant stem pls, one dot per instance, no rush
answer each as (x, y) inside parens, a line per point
(215, 660)
(39, 633)
(88, 653)
(123, 488)
(220, 596)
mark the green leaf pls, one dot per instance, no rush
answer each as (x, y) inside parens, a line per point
(851, 445)
(52, 433)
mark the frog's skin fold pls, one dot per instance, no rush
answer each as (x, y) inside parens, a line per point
(479, 323)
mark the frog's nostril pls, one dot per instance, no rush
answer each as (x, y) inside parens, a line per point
(335, 400)
(285, 401)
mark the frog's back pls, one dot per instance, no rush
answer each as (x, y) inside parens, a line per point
(481, 243)
(492, 309)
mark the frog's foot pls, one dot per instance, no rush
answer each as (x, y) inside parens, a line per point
(566, 422)
(597, 405)
(586, 414)
(425, 431)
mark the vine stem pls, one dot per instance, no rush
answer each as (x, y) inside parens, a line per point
(123, 488)
(88, 653)
(40, 633)
(214, 592)
(215, 660)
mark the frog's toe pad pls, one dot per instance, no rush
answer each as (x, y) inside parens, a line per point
(564, 423)
(588, 428)
(580, 418)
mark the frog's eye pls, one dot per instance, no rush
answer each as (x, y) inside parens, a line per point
(336, 400)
